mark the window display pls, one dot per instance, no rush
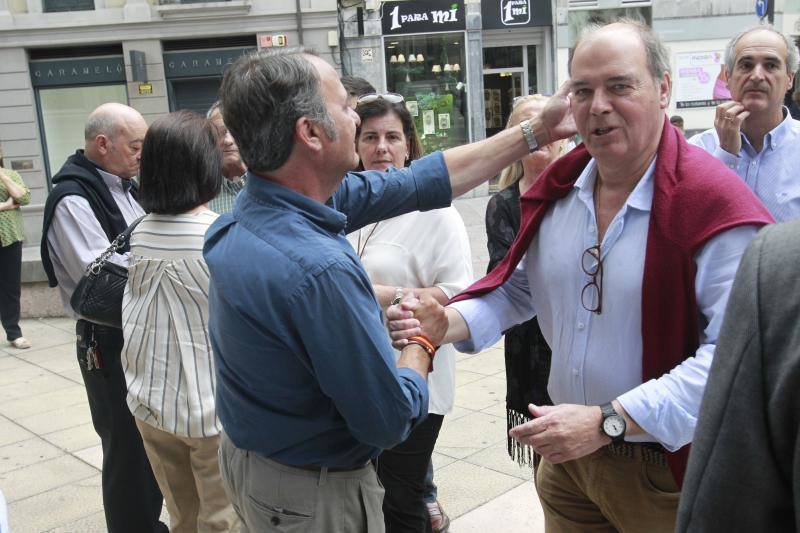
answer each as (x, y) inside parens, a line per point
(429, 71)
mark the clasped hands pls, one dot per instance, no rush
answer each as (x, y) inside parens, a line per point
(415, 315)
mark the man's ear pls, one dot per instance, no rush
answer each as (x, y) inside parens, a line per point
(102, 144)
(308, 133)
(665, 90)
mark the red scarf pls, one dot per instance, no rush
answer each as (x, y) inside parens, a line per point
(695, 197)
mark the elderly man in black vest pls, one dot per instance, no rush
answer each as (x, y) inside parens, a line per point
(93, 201)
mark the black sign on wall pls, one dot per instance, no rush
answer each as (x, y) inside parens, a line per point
(201, 64)
(422, 16)
(501, 14)
(90, 70)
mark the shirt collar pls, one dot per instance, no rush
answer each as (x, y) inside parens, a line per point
(268, 193)
(115, 182)
(641, 197)
(234, 187)
(777, 136)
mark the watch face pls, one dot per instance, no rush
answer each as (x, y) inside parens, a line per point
(614, 426)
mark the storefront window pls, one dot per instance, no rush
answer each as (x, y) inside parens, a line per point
(502, 57)
(429, 71)
(64, 111)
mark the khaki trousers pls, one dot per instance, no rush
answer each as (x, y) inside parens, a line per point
(608, 492)
(187, 472)
(272, 497)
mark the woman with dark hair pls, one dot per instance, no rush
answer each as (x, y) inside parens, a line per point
(13, 194)
(167, 356)
(420, 252)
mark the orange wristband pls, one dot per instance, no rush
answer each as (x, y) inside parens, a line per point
(427, 345)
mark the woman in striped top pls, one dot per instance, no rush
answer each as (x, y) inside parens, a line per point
(167, 355)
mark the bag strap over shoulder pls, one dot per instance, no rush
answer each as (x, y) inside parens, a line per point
(120, 243)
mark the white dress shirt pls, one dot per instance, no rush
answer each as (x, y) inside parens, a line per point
(76, 238)
(597, 358)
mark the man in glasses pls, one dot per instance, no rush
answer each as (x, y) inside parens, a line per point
(308, 391)
(627, 249)
(754, 134)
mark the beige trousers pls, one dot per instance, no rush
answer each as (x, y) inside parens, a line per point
(187, 472)
(606, 492)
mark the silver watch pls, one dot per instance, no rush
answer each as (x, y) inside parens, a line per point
(527, 132)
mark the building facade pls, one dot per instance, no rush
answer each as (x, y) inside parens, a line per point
(59, 59)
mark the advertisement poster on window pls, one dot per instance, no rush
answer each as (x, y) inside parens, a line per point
(700, 80)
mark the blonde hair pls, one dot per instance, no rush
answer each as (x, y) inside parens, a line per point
(512, 173)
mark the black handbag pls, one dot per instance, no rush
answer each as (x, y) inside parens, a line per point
(98, 296)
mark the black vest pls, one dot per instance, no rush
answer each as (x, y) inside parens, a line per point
(80, 177)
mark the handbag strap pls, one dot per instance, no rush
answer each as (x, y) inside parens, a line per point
(118, 243)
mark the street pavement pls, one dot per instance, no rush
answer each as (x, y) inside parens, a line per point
(50, 456)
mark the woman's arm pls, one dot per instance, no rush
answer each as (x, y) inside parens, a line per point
(18, 191)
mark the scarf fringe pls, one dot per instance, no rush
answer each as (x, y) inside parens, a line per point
(523, 454)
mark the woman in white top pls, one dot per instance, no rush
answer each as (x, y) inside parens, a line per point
(167, 355)
(424, 252)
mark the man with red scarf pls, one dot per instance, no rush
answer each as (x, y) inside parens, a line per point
(627, 250)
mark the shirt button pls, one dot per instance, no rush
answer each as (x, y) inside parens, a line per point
(575, 372)
(592, 229)
(275, 520)
(581, 325)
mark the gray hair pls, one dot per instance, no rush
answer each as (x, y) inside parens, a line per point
(654, 49)
(213, 108)
(263, 94)
(792, 55)
(102, 123)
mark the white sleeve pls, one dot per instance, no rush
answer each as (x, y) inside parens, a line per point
(75, 237)
(667, 408)
(488, 316)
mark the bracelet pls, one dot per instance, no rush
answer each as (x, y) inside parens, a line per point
(426, 344)
(527, 132)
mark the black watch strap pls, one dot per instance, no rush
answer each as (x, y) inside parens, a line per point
(608, 410)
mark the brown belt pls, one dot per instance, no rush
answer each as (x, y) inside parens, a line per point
(649, 452)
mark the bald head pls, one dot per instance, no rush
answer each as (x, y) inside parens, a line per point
(114, 134)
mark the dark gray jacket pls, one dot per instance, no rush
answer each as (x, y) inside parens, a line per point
(744, 470)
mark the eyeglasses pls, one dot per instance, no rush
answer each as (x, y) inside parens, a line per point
(592, 293)
(392, 98)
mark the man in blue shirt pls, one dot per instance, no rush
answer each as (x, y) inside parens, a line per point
(307, 388)
(754, 134)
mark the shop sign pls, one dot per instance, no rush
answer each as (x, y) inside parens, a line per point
(499, 14)
(205, 63)
(700, 79)
(90, 70)
(422, 17)
(145, 88)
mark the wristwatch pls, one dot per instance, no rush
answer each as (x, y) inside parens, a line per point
(613, 424)
(398, 296)
(527, 133)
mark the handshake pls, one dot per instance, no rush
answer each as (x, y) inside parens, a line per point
(416, 316)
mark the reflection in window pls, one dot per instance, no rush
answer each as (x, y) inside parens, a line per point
(54, 6)
(64, 112)
(429, 70)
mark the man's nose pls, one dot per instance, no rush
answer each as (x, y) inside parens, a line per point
(600, 102)
(354, 116)
(758, 72)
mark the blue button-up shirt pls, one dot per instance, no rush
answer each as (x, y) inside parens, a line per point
(773, 173)
(305, 371)
(597, 358)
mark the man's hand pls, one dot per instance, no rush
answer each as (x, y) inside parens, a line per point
(555, 122)
(8, 205)
(562, 432)
(415, 316)
(728, 122)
